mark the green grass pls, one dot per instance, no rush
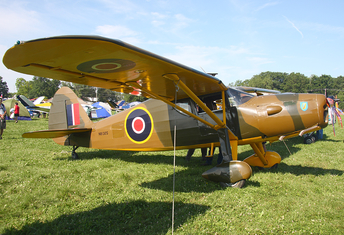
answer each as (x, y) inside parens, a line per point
(44, 191)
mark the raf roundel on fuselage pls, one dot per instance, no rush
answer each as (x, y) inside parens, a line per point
(139, 125)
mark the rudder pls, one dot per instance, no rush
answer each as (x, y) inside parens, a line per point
(66, 112)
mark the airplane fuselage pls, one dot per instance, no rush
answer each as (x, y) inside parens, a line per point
(149, 126)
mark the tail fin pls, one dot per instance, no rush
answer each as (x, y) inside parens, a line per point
(66, 112)
(112, 103)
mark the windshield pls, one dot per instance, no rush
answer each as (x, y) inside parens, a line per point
(237, 97)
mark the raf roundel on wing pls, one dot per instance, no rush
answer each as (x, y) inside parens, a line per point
(106, 66)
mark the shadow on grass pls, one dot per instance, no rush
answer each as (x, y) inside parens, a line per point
(306, 170)
(189, 180)
(136, 217)
(127, 156)
(96, 153)
(294, 145)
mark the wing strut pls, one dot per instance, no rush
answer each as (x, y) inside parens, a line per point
(181, 84)
(228, 173)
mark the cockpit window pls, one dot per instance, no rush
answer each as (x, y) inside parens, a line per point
(237, 97)
(184, 105)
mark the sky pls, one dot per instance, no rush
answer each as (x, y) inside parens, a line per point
(235, 38)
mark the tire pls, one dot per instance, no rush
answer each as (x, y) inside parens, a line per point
(75, 156)
(238, 184)
(308, 140)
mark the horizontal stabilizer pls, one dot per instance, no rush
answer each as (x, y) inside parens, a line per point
(54, 133)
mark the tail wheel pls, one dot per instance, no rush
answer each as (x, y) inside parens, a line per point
(238, 184)
(75, 155)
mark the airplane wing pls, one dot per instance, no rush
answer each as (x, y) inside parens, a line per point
(107, 63)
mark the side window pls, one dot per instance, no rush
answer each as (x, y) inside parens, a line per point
(212, 101)
(185, 105)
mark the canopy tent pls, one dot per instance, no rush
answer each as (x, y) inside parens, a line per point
(103, 110)
(23, 113)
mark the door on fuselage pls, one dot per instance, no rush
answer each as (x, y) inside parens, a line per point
(192, 132)
(214, 102)
(188, 132)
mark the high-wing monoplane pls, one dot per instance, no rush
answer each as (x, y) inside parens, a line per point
(181, 113)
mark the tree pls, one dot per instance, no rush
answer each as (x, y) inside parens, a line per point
(3, 88)
(267, 80)
(83, 91)
(132, 98)
(38, 86)
(322, 82)
(23, 87)
(44, 87)
(105, 94)
(295, 82)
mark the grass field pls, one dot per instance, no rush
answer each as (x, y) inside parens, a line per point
(44, 191)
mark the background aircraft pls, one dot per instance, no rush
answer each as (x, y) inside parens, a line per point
(34, 107)
(182, 114)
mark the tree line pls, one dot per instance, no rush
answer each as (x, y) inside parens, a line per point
(297, 83)
(40, 86)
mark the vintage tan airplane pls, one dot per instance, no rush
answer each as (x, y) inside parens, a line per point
(181, 98)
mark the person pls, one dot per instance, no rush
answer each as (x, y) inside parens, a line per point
(209, 160)
(2, 118)
(16, 112)
(191, 151)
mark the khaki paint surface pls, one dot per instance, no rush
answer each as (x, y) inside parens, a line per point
(254, 119)
(110, 133)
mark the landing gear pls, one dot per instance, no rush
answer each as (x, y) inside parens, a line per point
(262, 158)
(309, 138)
(74, 154)
(229, 174)
(238, 184)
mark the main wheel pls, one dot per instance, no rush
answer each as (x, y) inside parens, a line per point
(308, 140)
(238, 184)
